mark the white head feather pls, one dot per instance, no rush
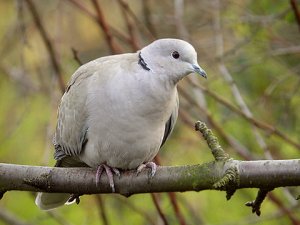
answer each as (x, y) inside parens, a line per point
(173, 58)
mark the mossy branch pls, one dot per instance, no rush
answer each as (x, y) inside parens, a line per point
(212, 141)
(265, 174)
(222, 174)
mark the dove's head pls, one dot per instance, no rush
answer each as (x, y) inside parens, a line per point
(171, 58)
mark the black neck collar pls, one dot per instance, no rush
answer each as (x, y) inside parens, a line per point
(143, 63)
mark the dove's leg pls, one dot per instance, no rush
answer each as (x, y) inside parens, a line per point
(109, 172)
(151, 165)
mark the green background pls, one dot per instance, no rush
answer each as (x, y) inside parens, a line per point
(257, 42)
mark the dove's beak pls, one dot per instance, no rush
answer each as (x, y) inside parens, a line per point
(199, 70)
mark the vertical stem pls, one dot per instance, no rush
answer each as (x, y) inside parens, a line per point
(114, 48)
(175, 205)
(101, 210)
(130, 27)
(228, 78)
(148, 19)
(49, 46)
(159, 210)
(296, 11)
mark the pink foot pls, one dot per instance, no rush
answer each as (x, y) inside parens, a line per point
(109, 172)
(151, 165)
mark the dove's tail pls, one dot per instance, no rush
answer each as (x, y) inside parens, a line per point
(46, 201)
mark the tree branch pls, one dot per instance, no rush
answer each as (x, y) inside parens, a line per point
(296, 11)
(264, 174)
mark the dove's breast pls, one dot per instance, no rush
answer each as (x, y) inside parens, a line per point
(126, 121)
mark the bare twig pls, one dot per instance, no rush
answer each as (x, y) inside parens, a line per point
(102, 211)
(228, 78)
(158, 208)
(58, 217)
(130, 26)
(238, 147)
(155, 198)
(178, 16)
(118, 34)
(114, 48)
(21, 23)
(176, 209)
(148, 18)
(50, 47)
(172, 198)
(9, 218)
(256, 204)
(137, 210)
(286, 50)
(137, 21)
(271, 130)
(75, 56)
(296, 11)
(284, 209)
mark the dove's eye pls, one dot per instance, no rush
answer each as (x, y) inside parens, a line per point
(175, 55)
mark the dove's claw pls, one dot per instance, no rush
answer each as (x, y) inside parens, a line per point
(116, 172)
(109, 172)
(98, 174)
(150, 165)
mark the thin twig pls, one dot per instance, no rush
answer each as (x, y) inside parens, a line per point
(271, 130)
(285, 51)
(130, 26)
(241, 150)
(75, 56)
(148, 18)
(296, 11)
(283, 208)
(136, 209)
(114, 48)
(228, 78)
(176, 208)
(101, 209)
(49, 46)
(118, 34)
(172, 198)
(238, 147)
(256, 204)
(82, 8)
(137, 21)
(157, 160)
(21, 21)
(178, 16)
(158, 208)
(9, 218)
(59, 218)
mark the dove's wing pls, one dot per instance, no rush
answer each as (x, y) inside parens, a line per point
(72, 126)
(71, 130)
(171, 122)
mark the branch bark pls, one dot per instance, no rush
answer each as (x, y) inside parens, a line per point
(265, 174)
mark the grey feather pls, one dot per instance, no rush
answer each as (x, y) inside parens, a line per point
(171, 122)
(71, 130)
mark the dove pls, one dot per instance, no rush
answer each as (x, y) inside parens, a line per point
(118, 111)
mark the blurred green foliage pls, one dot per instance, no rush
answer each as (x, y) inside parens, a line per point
(260, 49)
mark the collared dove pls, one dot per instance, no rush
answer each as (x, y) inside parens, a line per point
(119, 110)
